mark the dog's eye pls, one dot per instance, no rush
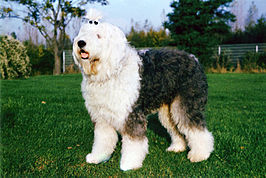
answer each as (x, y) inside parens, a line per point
(84, 20)
(99, 36)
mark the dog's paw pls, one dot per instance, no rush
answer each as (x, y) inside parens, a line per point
(201, 145)
(195, 156)
(133, 153)
(130, 165)
(96, 159)
(176, 148)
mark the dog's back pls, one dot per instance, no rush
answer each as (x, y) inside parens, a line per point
(167, 73)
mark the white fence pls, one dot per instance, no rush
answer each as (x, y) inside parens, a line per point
(237, 51)
(67, 59)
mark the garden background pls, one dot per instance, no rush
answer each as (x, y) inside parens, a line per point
(46, 130)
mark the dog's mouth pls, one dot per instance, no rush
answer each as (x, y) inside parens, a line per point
(86, 56)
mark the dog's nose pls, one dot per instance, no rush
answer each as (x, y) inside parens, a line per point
(81, 43)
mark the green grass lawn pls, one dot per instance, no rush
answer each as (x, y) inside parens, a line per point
(46, 131)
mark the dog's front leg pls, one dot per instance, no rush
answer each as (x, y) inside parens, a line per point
(133, 152)
(134, 142)
(105, 139)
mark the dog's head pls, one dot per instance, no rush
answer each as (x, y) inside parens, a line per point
(99, 47)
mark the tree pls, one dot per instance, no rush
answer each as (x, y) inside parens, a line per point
(29, 33)
(196, 26)
(41, 58)
(13, 34)
(252, 34)
(151, 38)
(56, 13)
(237, 8)
(252, 15)
(145, 36)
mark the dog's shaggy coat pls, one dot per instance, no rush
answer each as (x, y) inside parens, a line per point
(121, 87)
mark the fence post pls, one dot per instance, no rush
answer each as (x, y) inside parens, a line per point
(219, 50)
(64, 61)
(257, 48)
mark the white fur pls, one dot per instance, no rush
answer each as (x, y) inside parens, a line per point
(105, 139)
(93, 14)
(133, 153)
(200, 142)
(109, 95)
(201, 145)
(112, 90)
(194, 57)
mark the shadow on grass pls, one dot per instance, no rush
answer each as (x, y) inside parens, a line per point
(155, 126)
(8, 115)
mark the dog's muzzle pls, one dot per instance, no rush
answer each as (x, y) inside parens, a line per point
(83, 54)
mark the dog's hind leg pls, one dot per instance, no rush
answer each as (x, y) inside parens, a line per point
(105, 139)
(192, 125)
(178, 143)
(134, 142)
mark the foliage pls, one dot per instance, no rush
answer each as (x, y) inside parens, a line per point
(252, 15)
(252, 34)
(262, 60)
(222, 63)
(56, 13)
(147, 36)
(14, 61)
(253, 61)
(198, 25)
(236, 8)
(41, 58)
(46, 132)
(13, 34)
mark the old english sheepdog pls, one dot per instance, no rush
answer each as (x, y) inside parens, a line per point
(121, 86)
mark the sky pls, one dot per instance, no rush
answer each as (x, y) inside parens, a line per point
(121, 13)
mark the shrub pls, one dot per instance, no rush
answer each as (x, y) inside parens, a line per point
(262, 60)
(148, 38)
(223, 60)
(14, 61)
(40, 58)
(220, 63)
(253, 62)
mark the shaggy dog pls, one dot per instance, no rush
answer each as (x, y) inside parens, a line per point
(121, 86)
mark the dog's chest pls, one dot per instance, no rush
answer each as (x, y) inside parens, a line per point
(112, 99)
(102, 94)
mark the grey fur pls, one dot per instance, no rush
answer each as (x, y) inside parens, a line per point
(136, 125)
(165, 75)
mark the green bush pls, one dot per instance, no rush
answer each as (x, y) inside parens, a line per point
(149, 38)
(223, 60)
(14, 61)
(262, 60)
(253, 61)
(41, 58)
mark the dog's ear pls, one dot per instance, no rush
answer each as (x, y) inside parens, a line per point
(75, 60)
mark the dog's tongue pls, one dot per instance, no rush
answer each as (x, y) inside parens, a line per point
(84, 55)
